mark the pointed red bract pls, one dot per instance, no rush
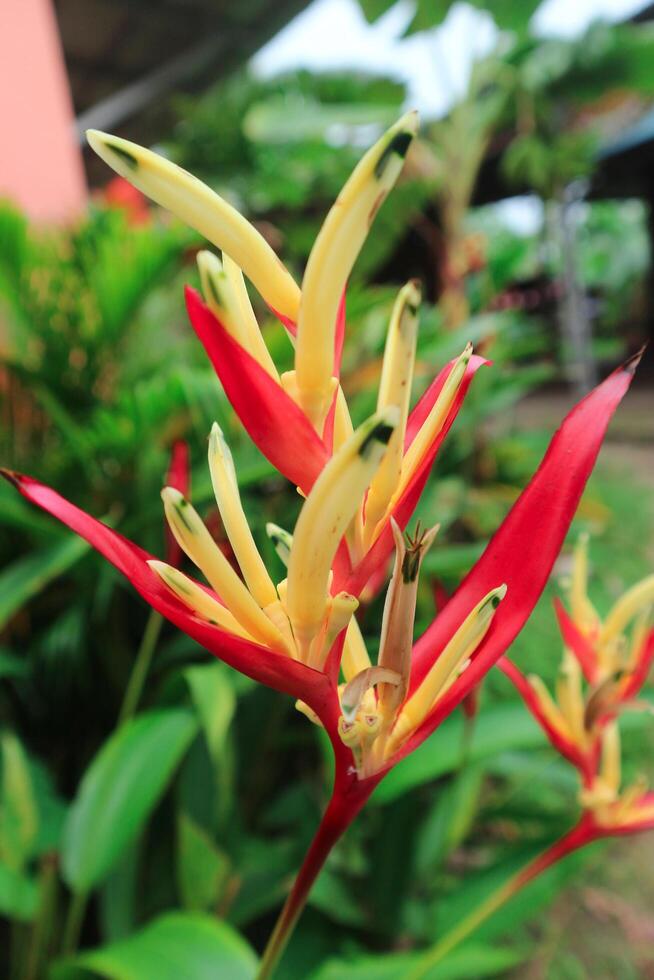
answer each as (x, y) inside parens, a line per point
(641, 671)
(567, 748)
(273, 669)
(523, 550)
(420, 411)
(578, 644)
(273, 421)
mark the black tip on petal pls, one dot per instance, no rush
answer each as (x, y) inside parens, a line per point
(398, 146)
(11, 477)
(125, 155)
(633, 362)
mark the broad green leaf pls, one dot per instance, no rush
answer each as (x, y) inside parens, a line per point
(202, 868)
(119, 790)
(497, 728)
(473, 961)
(117, 897)
(450, 819)
(19, 895)
(177, 946)
(213, 696)
(19, 820)
(28, 576)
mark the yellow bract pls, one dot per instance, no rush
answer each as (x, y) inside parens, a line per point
(325, 515)
(334, 252)
(226, 295)
(201, 208)
(225, 487)
(446, 668)
(394, 389)
(194, 539)
(195, 597)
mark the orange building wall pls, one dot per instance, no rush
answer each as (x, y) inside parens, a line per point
(40, 161)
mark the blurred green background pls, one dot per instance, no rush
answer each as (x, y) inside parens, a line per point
(164, 836)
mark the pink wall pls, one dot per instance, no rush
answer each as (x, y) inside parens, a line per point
(40, 161)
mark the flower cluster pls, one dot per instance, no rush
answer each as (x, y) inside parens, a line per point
(605, 664)
(361, 485)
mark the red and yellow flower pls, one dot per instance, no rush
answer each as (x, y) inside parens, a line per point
(361, 485)
(605, 664)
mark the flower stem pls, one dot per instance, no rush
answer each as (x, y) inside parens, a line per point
(574, 839)
(42, 928)
(73, 924)
(336, 819)
(141, 667)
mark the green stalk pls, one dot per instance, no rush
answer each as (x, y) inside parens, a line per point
(574, 839)
(42, 929)
(73, 925)
(141, 667)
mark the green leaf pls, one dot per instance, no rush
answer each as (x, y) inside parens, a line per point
(117, 897)
(19, 895)
(453, 559)
(373, 9)
(213, 696)
(175, 946)
(450, 819)
(119, 790)
(19, 821)
(509, 15)
(202, 868)
(473, 961)
(497, 728)
(28, 576)
(331, 895)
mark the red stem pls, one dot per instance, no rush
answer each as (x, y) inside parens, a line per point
(585, 832)
(341, 811)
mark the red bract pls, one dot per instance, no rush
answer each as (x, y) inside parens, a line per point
(524, 549)
(276, 425)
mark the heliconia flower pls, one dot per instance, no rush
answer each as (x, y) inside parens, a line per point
(605, 664)
(597, 678)
(361, 484)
